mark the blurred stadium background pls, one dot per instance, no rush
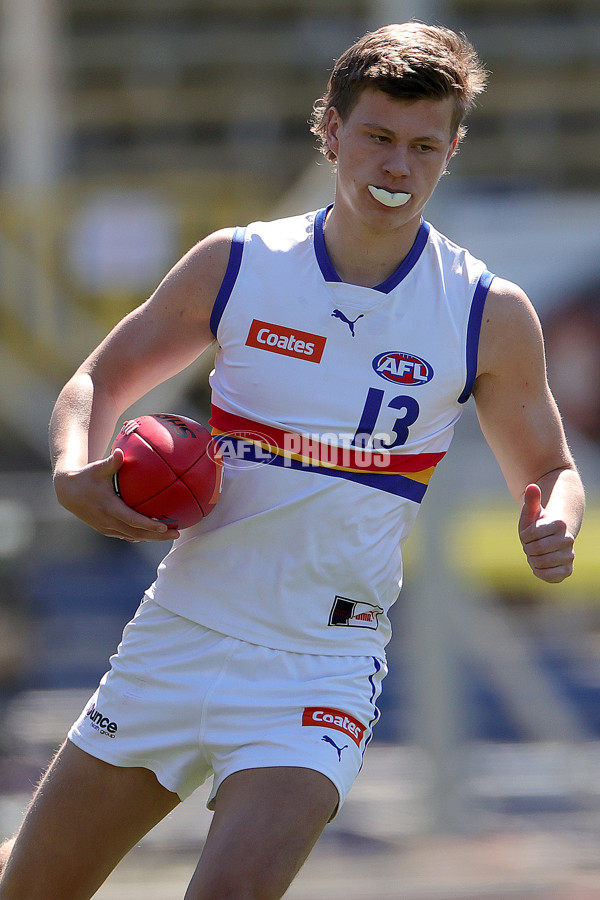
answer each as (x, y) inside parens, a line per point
(131, 128)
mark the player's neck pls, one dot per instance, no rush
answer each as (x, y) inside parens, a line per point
(363, 256)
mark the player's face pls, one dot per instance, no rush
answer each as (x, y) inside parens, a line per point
(390, 156)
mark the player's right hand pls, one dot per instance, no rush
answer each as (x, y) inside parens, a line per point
(89, 494)
(546, 540)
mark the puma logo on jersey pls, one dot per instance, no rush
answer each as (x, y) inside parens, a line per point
(287, 341)
(338, 314)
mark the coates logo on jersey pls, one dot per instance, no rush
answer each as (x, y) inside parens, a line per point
(323, 717)
(287, 341)
(403, 368)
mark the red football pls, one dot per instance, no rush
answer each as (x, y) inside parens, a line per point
(172, 469)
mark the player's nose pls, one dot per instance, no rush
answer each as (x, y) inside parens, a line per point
(396, 163)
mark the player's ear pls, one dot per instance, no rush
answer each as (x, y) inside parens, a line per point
(334, 120)
(452, 149)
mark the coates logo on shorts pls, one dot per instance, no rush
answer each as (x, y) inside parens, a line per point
(100, 722)
(324, 717)
(286, 341)
(403, 368)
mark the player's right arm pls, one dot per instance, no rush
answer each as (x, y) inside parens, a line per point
(522, 425)
(151, 344)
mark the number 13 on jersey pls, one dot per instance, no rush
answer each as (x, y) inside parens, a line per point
(409, 413)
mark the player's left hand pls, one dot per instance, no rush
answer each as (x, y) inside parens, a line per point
(546, 541)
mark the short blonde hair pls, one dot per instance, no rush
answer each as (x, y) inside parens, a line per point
(410, 61)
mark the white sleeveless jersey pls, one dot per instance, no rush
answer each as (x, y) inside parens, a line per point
(333, 403)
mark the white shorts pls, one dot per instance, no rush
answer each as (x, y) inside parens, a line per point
(187, 703)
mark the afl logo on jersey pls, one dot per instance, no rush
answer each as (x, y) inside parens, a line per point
(402, 368)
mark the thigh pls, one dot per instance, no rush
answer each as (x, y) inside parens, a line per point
(266, 822)
(84, 817)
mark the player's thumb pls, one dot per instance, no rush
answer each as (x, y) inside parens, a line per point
(113, 462)
(532, 504)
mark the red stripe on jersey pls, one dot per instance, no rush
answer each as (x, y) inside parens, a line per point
(308, 448)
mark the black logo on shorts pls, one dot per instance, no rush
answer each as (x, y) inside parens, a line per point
(100, 722)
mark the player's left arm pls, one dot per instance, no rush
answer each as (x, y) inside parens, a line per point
(522, 425)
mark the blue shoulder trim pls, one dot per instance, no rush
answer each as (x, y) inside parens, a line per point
(229, 279)
(474, 330)
(325, 264)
